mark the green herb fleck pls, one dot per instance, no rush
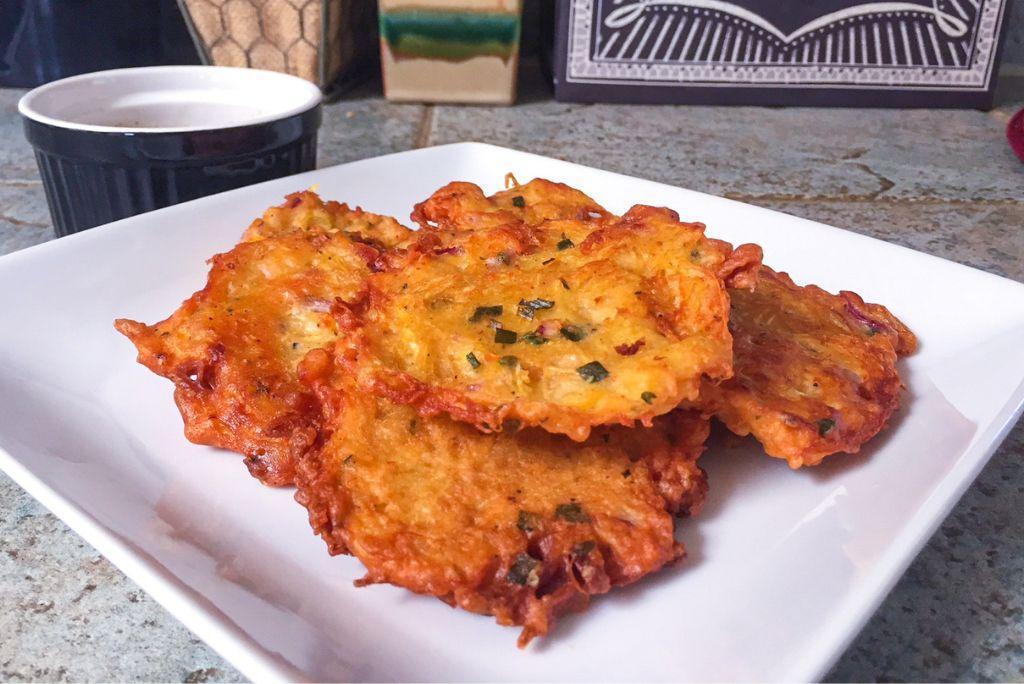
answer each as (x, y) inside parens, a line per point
(502, 336)
(534, 338)
(509, 361)
(695, 254)
(825, 426)
(571, 512)
(528, 307)
(648, 397)
(564, 283)
(573, 333)
(524, 571)
(547, 261)
(473, 361)
(593, 372)
(584, 548)
(528, 522)
(483, 312)
(518, 201)
(504, 258)
(564, 244)
(872, 332)
(349, 460)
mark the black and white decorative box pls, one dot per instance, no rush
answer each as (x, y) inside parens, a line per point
(911, 53)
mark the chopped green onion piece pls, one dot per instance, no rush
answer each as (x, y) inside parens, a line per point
(484, 312)
(473, 361)
(502, 336)
(528, 307)
(518, 201)
(573, 333)
(509, 361)
(571, 512)
(593, 372)
(564, 243)
(524, 571)
(534, 338)
(584, 548)
(648, 397)
(825, 426)
(528, 522)
(539, 304)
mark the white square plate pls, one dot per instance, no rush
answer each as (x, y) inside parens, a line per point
(784, 567)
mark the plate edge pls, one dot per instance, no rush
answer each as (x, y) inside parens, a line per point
(165, 587)
(907, 546)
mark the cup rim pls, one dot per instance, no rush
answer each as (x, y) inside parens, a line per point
(310, 98)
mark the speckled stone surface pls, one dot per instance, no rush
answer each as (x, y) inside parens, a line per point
(941, 182)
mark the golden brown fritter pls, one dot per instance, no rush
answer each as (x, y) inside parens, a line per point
(566, 324)
(462, 207)
(304, 212)
(523, 526)
(388, 373)
(815, 373)
(232, 348)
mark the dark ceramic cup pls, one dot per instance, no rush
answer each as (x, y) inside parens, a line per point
(113, 144)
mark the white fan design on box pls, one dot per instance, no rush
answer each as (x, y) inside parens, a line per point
(879, 33)
(828, 43)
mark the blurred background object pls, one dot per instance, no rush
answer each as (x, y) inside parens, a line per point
(450, 50)
(913, 53)
(332, 43)
(43, 40)
(1015, 134)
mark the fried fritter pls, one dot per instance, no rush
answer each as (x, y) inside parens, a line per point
(232, 348)
(523, 526)
(566, 324)
(304, 212)
(462, 207)
(815, 372)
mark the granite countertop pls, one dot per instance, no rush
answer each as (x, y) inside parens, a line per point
(943, 182)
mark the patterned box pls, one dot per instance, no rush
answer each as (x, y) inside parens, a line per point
(912, 53)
